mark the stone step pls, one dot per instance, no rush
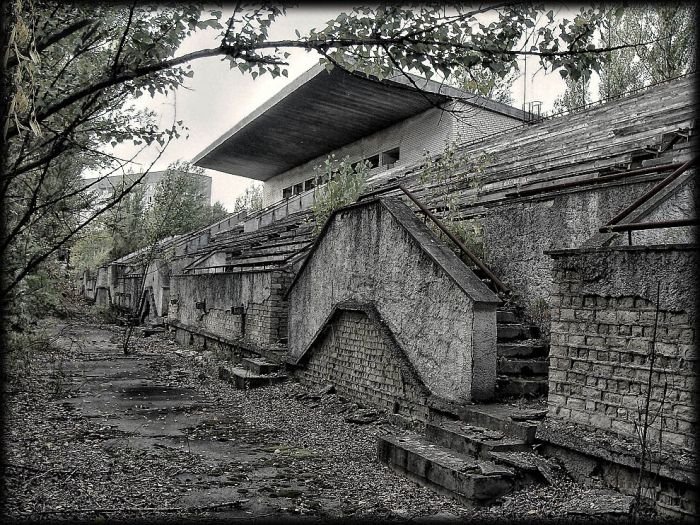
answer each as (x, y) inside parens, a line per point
(531, 348)
(259, 366)
(530, 466)
(466, 479)
(509, 386)
(472, 440)
(512, 421)
(506, 316)
(242, 378)
(522, 367)
(515, 332)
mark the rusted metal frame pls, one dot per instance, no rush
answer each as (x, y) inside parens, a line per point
(653, 191)
(597, 180)
(676, 223)
(499, 284)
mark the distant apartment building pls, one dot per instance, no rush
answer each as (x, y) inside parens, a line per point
(107, 186)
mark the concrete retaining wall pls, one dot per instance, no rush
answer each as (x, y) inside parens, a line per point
(441, 315)
(263, 319)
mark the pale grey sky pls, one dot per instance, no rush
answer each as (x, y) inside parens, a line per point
(217, 97)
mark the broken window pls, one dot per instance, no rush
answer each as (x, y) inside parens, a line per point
(389, 158)
(373, 161)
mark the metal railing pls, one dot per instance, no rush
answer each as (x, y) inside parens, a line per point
(426, 212)
(614, 226)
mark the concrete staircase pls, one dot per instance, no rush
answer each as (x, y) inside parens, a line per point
(254, 372)
(523, 364)
(476, 459)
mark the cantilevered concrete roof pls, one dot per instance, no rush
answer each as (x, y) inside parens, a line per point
(321, 111)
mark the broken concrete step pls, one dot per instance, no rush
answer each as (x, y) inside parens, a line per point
(512, 386)
(506, 316)
(471, 440)
(259, 366)
(515, 331)
(529, 465)
(532, 348)
(467, 479)
(242, 378)
(522, 367)
(496, 416)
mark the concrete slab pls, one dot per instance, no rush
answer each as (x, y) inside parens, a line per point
(467, 479)
(472, 440)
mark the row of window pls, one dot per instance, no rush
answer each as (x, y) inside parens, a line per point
(386, 159)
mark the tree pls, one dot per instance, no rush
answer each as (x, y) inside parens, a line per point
(670, 54)
(484, 82)
(575, 96)
(72, 72)
(177, 207)
(251, 200)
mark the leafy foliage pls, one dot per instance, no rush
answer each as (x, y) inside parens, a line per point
(444, 174)
(671, 30)
(650, 44)
(486, 83)
(344, 182)
(575, 96)
(251, 200)
(177, 207)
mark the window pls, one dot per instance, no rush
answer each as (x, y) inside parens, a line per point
(390, 157)
(298, 188)
(373, 161)
(287, 192)
(309, 184)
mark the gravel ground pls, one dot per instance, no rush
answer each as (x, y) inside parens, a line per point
(62, 464)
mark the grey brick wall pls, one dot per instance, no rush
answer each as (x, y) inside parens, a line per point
(260, 293)
(602, 330)
(354, 356)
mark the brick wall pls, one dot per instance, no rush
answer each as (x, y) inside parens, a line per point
(355, 356)
(604, 309)
(260, 294)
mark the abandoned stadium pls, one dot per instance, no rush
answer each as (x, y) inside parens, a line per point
(583, 292)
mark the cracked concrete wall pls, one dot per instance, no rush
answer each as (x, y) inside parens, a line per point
(260, 294)
(367, 256)
(678, 204)
(517, 235)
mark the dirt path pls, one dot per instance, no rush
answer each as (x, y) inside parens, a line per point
(94, 432)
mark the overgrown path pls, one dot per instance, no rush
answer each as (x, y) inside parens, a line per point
(155, 435)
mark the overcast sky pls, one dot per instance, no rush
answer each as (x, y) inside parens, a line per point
(216, 98)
